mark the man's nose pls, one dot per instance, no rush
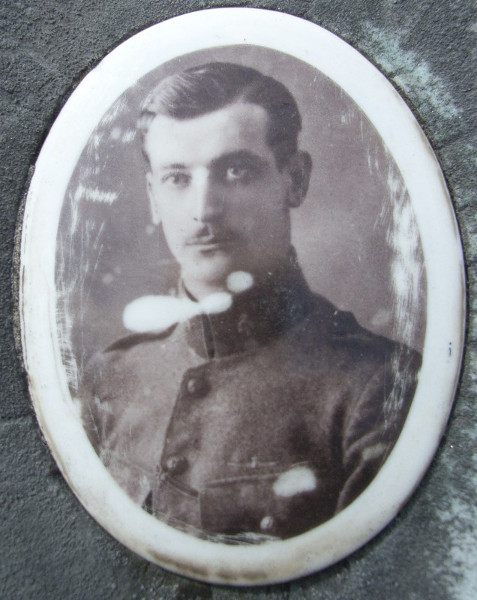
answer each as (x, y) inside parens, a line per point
(208, 200)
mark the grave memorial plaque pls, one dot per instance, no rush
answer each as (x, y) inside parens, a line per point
(242, 296)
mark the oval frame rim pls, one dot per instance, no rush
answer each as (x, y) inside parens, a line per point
(253, 563)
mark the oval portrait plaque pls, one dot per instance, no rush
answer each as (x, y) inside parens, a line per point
(242, 296)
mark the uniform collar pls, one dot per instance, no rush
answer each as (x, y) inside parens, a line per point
(256, 316)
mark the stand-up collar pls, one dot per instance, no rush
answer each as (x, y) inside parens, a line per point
(256, 316)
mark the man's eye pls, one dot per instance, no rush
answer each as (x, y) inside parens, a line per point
(237, 173)
(177, 180)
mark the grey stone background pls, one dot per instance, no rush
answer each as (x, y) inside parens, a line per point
(50, 547)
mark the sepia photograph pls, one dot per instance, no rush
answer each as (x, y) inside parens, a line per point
(241, 314)
(240, 400)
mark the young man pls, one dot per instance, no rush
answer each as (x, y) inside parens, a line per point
(265, 417)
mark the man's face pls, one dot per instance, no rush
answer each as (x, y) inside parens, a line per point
(215, 187)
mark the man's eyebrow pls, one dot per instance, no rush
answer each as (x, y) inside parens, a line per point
(246, 156)
(173, 166)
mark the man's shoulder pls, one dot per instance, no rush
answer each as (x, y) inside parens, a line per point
(126, 351)
(338, 333)
(338, 325)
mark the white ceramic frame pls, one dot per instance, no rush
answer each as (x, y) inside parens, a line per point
(57, 414)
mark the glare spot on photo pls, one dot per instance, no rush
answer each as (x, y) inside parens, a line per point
(157, 313)
(216, 303)
(239, 281)
(295, 481)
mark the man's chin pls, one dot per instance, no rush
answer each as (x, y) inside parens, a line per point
(213, 273)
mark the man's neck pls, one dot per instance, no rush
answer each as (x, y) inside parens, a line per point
(263, 312)
(198, 290)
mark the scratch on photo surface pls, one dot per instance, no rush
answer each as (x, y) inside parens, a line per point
(75, 262)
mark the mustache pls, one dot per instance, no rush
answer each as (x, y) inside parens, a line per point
(212, 235)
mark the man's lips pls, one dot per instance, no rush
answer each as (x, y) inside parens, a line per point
(211, 241)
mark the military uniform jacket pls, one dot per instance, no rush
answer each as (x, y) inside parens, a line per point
(262, 421)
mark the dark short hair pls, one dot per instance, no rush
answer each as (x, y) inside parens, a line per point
(209, 87)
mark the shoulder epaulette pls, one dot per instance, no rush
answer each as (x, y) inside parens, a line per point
(335, 321)
(345, 323)
(128, 341)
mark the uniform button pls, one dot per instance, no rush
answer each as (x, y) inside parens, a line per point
(267, 523)
(176, 465)
(197, 386)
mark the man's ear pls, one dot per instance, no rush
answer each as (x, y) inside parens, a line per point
(299, 168)
(153, 204)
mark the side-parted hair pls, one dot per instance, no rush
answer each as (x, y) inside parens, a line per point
(209, 87)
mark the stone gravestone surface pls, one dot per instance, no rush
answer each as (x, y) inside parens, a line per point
(50, 546)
